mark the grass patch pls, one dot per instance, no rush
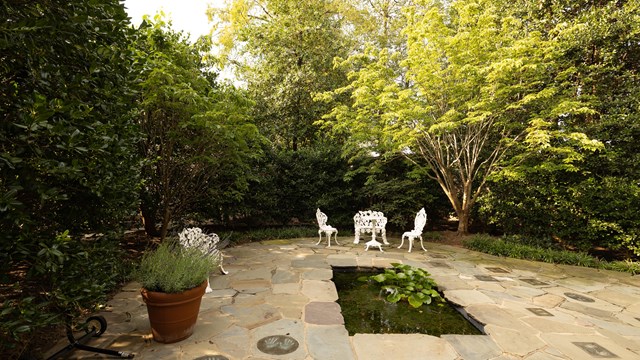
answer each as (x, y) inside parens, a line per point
(510, 248)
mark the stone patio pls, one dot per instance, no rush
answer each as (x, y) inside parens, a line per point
(278, 302)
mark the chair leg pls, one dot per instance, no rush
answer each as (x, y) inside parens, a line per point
(410, 242)
(222, 270)
(336, 237)
(319, 237)
(421, 244)
(401, 242)
(384, 237)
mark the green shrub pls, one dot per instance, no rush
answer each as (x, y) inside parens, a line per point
(67, 278)
(171, 268)
(499, 247)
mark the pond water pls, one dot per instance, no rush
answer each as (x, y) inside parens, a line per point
(366, 311)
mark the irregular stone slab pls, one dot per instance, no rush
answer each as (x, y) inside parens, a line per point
(130, 305)
(515, 341)
(246, 299)
(308, 263)
(214, 304)
(317, 274)
(317, 290)
(622, 329)
(548, 300)
(631, 343)
(581, 285)
(467, 297)
(525, 292)
(634, 309)
(278, 242)
(616, 297)
(628, 318)
(289, 305)
(473, 347)
(255, 285)
(342, 260)
(534, 282)
(497, 315)
(578, 346)
(539, 355)
(284, 327)
(220, 293)
(232, 342)
(402, 346)
(384, 263)
(588, 310)
(210, 325)
(439, 264)
(450, 282)
(255, 274)
(323, 313)
(365, 260)
(292, 288)
(328, 342)
(252, 316)
(281, 276)
(547, 325)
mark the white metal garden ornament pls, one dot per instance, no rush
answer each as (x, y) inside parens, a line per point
(324, 228)
(209, 244)
(419, 223)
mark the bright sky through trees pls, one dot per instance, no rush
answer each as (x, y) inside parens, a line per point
(187, 15)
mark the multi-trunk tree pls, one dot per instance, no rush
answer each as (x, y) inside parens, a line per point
(473, 83)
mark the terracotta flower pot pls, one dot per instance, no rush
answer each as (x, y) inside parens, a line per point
(173, 316)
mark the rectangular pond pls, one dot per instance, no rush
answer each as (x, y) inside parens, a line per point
(366, 311)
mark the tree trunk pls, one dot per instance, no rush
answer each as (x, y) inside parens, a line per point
(463, 222)
(149, 220)
(166, 217)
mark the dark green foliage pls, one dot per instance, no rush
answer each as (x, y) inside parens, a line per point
(405, 282)
(397, 188)
(594, 204)
(513, 249)
(66, 137)
(239, 237)
(65, 278)
(583, 212)
(67, 156)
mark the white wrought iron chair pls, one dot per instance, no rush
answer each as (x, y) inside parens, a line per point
(324, 228)
(209, 244)
(419, 223)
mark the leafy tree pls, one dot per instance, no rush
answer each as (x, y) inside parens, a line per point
(473, 83)
(197, 134)
(284, 53)
(597, 61)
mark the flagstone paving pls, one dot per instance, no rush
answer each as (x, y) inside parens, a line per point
(278, 302)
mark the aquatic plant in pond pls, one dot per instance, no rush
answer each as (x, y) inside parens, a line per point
(366, 310)
(407, 282)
